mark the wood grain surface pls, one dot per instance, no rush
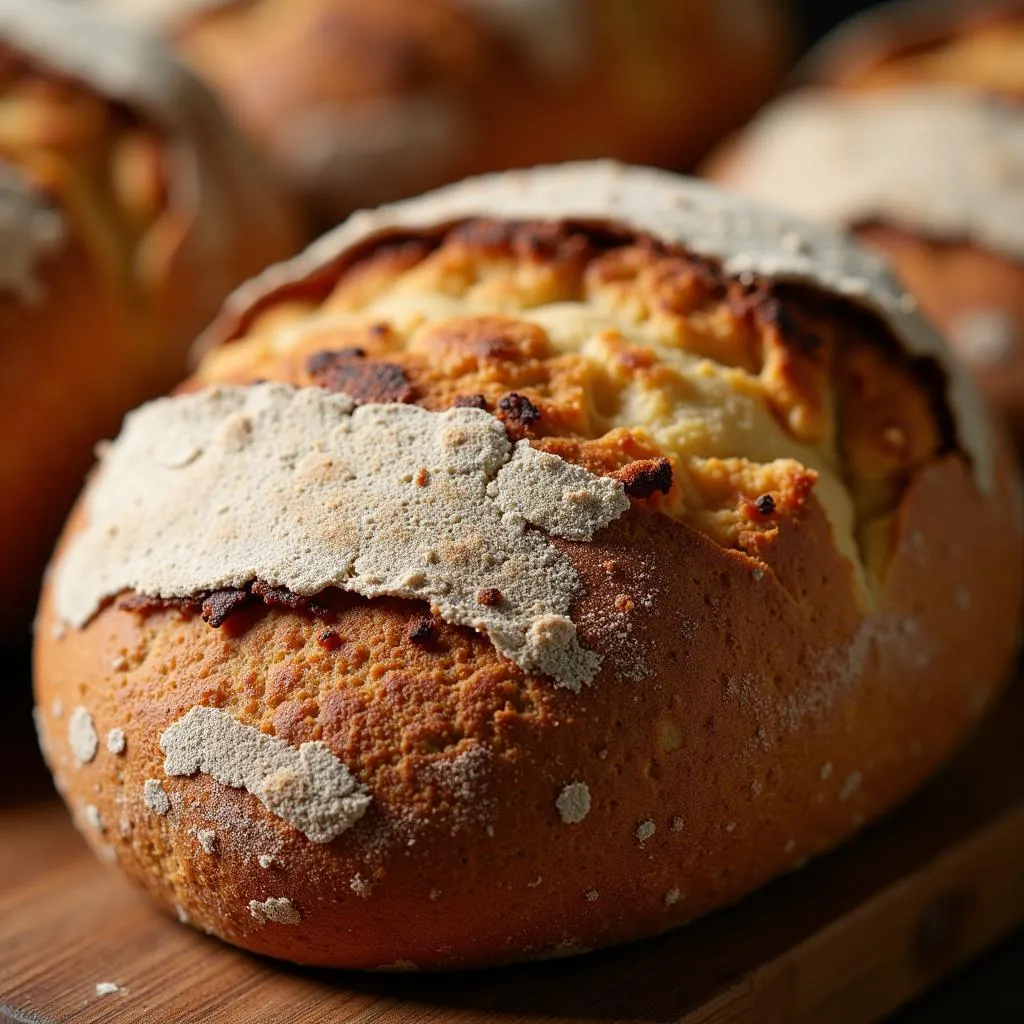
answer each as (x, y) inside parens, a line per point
(847, 939)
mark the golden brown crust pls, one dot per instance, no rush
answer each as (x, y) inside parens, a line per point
(771, 720)
(364, 103)
(117, 300)
(754, 706)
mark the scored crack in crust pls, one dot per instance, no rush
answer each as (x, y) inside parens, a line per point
(615, 351)
(772, 675)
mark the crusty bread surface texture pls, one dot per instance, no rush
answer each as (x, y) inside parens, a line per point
(359, 103)
(703, 464)
(130, 210)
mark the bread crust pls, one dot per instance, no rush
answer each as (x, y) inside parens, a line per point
(748, 757)
(754, 705)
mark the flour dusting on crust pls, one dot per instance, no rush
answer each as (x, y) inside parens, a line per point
(746, 237)
(573, 803)
(276, 909)
(308, 787)
(299, 489)
(82, 736)
(155, 798)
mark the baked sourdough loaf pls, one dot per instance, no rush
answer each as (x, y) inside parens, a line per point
(528, 567)
(359, 103)
(911, 132)
(128, 210)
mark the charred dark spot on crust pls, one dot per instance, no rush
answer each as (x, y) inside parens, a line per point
(644, 477)
(217, 606)
(771, 312)
(280, 597)
(323, 362)
(489, 597)
(348, 371)
(538, 240)
(469, 402)
(765, 505)
(422, 630)
(146, 603)
(329, 640)
(517, 409)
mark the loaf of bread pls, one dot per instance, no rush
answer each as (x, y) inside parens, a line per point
(911, 133)
(128, 210)
(359, 103)
(528, 567)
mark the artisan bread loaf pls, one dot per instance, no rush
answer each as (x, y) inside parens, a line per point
(526, 568)
(359, 103)
(910, 131)
(129, 210)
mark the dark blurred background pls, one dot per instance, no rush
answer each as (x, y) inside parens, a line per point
(818, 16)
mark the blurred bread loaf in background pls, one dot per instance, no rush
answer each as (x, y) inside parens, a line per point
(129, 207)
(359, 103)
(977, 43)
(909, 129)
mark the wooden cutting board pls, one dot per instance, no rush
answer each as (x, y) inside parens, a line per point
(847, 939)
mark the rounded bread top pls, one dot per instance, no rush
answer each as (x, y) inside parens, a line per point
(745, 237)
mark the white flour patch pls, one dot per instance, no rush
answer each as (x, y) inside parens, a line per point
(154, 797)
(573, 803)
(644, 831)
(116, 741)
(307, 492)
(82, 736)
(307, 787)
(276, 909)
(93, 817)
